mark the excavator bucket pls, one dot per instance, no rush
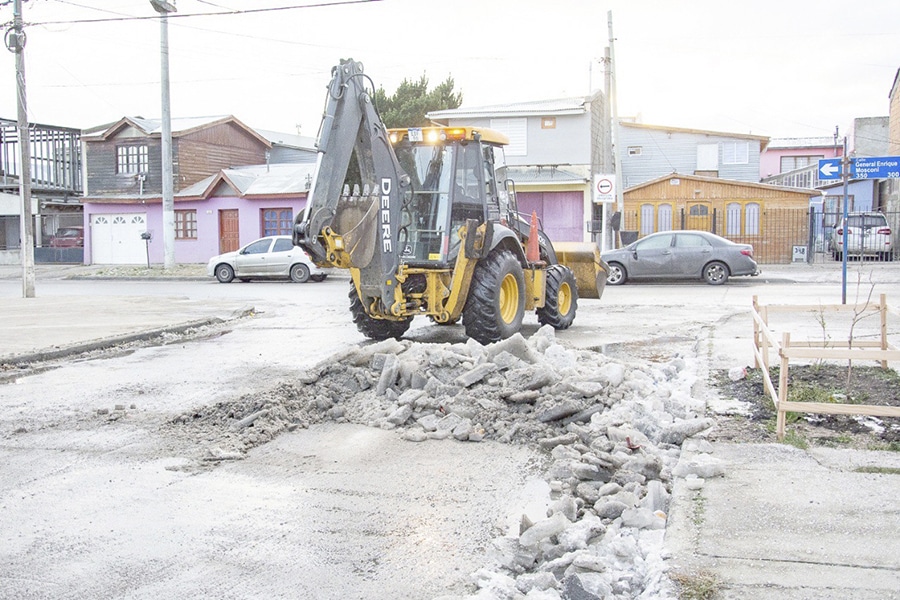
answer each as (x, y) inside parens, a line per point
(584, 259)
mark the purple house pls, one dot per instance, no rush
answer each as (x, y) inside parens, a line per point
(218, 206)
(215, 215)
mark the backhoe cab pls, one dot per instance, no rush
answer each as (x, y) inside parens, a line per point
(434, 230)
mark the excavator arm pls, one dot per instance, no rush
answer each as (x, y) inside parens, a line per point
(362, 231)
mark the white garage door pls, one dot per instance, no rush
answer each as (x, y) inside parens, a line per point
(116, 239)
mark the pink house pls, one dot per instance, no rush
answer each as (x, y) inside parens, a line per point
(217, 214)
(783, 155)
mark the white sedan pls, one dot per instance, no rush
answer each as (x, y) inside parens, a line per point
(273, 257)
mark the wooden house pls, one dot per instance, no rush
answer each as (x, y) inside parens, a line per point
(773, 219)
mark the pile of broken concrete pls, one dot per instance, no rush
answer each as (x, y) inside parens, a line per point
(612, 433)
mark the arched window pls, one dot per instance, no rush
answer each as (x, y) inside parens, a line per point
(751, 218)
(664, 217)
(733, 219)
(646, 219)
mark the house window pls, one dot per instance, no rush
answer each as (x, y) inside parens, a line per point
(277, 221)
(185, 224)
(646, 219)
(517, 132)
(635, 150)
(751, 218)
(707, 157)
(789, 163)
(733, 219)
(664, 217)
(132, 159)
(735, 153)
(548, 123)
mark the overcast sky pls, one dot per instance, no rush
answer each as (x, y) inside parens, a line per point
(780, 68)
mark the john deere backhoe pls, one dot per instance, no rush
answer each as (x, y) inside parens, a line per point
(434, 230)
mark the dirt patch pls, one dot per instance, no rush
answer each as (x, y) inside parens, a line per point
(813, 383)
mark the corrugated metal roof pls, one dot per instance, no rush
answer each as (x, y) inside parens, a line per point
(257, 180)
(288, 139)
(802, 142)
(575, 105)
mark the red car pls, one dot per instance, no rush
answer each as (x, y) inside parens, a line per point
(68, 237)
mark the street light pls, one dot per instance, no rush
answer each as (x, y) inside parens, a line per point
(168, 191)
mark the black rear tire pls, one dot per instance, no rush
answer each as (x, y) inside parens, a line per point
(224, 273)
(372, 328)
(715, 273)
(496, 304)
(616, 275)
(299, 273)
(562, 298)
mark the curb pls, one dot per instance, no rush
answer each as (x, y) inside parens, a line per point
(109, 342)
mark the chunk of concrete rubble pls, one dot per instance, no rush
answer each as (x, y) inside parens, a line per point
(531, 378)
(558, 411)
(586, 586)
(475, 375)
(585, 389)
(516, 345)
(388, 374)
(643, 518)
(612, 373)
(526, 397)
(543, 529)
(677, 432)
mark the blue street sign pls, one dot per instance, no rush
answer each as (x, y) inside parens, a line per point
(878, 167)
(829, 168)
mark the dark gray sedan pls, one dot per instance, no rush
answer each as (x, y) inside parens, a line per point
(681, 255)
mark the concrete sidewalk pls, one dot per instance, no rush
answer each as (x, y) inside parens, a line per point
(52, 327)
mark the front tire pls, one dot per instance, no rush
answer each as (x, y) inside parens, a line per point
(496, 304)
(616, 275)
(562, 298)
(299, 273)
(224, 273)
(715, 273)
(375, 329)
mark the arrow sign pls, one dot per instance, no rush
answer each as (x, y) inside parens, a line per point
(830, 168)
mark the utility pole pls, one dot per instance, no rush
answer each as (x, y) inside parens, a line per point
(845, 175)
(614, 125)
(168, 184)
(15, 42)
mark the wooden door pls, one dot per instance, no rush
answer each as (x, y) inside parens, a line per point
(698, 216)
(229, 231)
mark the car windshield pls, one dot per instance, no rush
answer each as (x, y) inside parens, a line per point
(71, 232)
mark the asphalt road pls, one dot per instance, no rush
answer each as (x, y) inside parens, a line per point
(98, 508)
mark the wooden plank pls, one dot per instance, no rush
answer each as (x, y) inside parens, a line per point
(841, 409)
(844, 353)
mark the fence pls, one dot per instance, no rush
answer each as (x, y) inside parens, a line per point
(765, 340)
(783, 235)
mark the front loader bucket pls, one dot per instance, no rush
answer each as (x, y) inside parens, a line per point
(584, 259)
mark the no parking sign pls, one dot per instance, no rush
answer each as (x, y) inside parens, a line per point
(604, 188)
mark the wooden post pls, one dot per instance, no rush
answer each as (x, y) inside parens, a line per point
(764, 313)
(882, 308)
(782, 386)
(756, 364)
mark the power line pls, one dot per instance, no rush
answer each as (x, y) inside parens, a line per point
(209, 14)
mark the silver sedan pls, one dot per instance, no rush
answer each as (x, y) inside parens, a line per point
(681, 255)
(273, 257)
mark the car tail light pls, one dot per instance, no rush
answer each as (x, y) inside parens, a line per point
(885, 231)
(747, 252)
(840, 231)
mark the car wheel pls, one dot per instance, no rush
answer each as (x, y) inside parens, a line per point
(224, 273)
(715, 273)
(299, 273)
(617, 275)
(836, 255)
